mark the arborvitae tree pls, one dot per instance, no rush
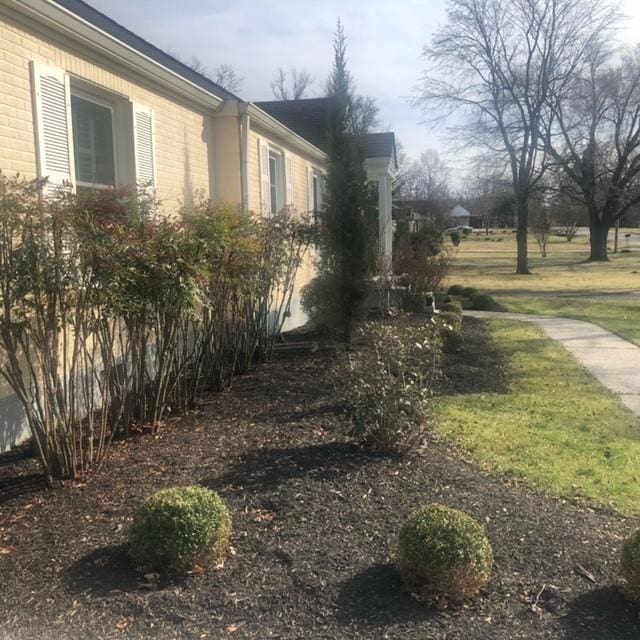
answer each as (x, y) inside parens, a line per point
(346, 241)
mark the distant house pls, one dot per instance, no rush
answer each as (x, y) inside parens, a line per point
(459, 216)
(417, 213)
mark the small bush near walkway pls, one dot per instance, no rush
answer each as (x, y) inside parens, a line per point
(387, 383)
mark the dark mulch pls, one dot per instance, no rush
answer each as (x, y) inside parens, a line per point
(315, 522)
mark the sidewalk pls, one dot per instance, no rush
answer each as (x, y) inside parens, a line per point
(608, 357)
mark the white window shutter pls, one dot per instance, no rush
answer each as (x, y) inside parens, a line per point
(310, 202)
(54, 137)
(288, 180)
(143, 140)
(265, 183)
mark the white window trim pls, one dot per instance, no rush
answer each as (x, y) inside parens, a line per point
(90, 97)
(280, 178)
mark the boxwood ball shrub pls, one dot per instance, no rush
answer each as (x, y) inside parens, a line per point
(469, 292)
(483, 302)
(455, 290)
(631, 567)
(179, 528)
(452, 307)
(443, 554)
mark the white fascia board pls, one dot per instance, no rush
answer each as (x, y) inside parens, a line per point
(380, 167)
(70, 25)
(276, 127)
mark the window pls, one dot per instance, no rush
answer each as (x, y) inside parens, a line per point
(88, 136)
(93, 143)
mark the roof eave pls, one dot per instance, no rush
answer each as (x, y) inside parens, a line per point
(64, 21)
(275, 126)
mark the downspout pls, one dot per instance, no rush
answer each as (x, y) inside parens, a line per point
(244, 123)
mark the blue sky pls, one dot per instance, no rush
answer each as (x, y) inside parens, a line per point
(256, 37)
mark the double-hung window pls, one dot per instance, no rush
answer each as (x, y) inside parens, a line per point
(275, 178)
(88, 136)
(93, 143)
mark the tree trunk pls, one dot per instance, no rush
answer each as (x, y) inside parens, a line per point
(522, 211)
(599, 230)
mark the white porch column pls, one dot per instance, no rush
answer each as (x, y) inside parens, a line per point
(385, 225)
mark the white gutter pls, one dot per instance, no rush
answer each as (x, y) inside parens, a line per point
(70, 25)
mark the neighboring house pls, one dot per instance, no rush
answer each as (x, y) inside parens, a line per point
(419, 214)
(459, 216)
(88, 102)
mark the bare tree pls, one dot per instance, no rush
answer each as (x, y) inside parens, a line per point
(596, 142)
(498, 62)
(427, 178)
(225, 75)
(294, 88)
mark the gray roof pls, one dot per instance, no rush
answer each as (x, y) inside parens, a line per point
(309, 118)
(117, 31)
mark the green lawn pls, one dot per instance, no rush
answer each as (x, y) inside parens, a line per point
(556, 428)
(489, 265)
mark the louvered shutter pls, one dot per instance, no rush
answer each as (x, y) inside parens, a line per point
(310, 202)
(144, 146)
(52, 108)
(288, 181)
(265, 183)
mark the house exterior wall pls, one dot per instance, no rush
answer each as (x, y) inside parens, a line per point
(183, 134)
(300, 195)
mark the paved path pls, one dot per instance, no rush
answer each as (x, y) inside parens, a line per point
(611, 359)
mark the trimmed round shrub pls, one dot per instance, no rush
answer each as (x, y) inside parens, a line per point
(469, 292)
(631, 567)
(443, 554)
(449, 326)
(455, 290)
(452, 307)
(180, 528)
(483, 302)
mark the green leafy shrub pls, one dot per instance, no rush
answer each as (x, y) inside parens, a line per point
(452, 307)
(386, 384)
(469, 292)
(455, 290)
(443, 554)
(631, 567)
(483, 302)
(180, 528)
(455, 238)
(449, 325)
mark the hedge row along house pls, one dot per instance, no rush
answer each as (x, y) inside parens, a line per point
(85, 101)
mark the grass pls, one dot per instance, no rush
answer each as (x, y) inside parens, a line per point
(562, 284)
(556, 427)
(490, 266)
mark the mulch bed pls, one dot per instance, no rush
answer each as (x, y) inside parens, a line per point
(315, 523)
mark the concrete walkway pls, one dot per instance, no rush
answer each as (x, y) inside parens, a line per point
(608, 357)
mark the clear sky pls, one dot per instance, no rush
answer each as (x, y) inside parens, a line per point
(256, 37)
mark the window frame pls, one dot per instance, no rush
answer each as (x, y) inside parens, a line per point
(278, 180)
(88, 96)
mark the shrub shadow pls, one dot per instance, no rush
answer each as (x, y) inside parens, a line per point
(478, 367)
(267, 468)
(602, 613)
(104, 571)
(374, 597)
(19, 486)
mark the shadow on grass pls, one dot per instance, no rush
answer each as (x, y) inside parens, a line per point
(602, 614)
(374, 597)
(267, 468)
(105, 571)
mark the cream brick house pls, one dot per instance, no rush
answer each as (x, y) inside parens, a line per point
(84, 100)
